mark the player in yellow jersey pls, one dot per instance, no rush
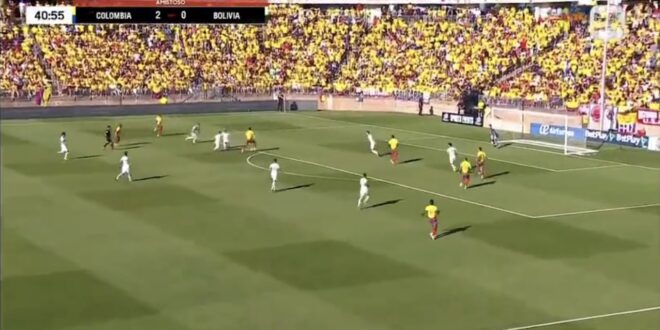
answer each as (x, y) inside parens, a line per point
(481, 161)
(250, 140)
(465, 168)
(159, 125)
(431, 212)
(118, 134)
(394, 150)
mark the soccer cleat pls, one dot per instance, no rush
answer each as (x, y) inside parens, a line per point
(432, 236)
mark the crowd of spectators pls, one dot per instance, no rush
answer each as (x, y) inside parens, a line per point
(446, 54)
(570, 72)
(373, 51)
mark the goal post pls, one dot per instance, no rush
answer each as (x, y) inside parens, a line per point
(556, 131)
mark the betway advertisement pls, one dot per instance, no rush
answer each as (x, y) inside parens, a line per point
(573, 133)
(618, 138)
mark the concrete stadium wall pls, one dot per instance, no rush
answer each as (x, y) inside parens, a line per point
(129, 110)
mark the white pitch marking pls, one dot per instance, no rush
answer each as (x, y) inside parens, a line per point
(405, 186)
(249, 161)
(495, 159)
(473, 140)
(641, 310)
(596, 211)
(591, 168)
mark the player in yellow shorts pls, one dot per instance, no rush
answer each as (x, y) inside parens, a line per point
(481, 162)
(250, 140)
(465, 168)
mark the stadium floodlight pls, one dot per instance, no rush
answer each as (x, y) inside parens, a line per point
(606, 23)
(558, 131)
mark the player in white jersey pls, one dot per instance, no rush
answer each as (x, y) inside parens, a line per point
(63, 148)
(217, 140)
(364, 191)
(274, 168)
(125, 167)
(372, 143)
(451, 151)
(194, 133)
(494, 136)
(225, 140)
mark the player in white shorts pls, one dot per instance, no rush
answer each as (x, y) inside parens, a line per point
(63, 148)
(194, 133)
(274, 168)
(372, 143)
(217, 140)
(364, 191)
(225, 140)
(451, 151)
(125, 167)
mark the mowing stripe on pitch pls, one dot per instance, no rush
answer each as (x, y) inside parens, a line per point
(601, 316)
(404, 186)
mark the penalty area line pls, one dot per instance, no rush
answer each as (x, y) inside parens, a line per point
(601, 316)
(622, 208)
(495, 159)
(404, 186)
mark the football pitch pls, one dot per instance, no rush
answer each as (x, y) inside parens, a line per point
(198, 240)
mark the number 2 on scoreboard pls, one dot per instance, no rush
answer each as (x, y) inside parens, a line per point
(157, 14)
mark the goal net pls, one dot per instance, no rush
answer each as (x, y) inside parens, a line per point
(545, 130)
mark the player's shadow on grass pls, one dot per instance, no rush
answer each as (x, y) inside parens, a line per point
(408, 161)
(174, 134)
(481, 184)
(86, 157)
(135, 144)
(155, 177)
(295, 187)
(384, 154)
(453, 231)
(385, 203)
(127, 147)
(503, 145)
(268, 149)
(494, 175)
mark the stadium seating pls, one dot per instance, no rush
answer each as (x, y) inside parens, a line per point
(437, 50)
(571, 71)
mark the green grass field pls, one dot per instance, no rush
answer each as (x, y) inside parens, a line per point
(201, 243)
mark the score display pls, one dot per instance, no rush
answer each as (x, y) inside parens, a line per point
(170, 15)
(151, 12)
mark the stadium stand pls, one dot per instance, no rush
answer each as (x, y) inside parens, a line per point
(507, 52)
(570, 73)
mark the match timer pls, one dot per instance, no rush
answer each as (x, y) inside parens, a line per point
(49, 15)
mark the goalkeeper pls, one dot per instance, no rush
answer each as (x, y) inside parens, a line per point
(494, 137)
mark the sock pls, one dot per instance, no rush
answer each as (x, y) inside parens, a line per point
(366, 198)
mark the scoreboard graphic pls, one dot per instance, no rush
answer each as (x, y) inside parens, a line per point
(150, 12)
